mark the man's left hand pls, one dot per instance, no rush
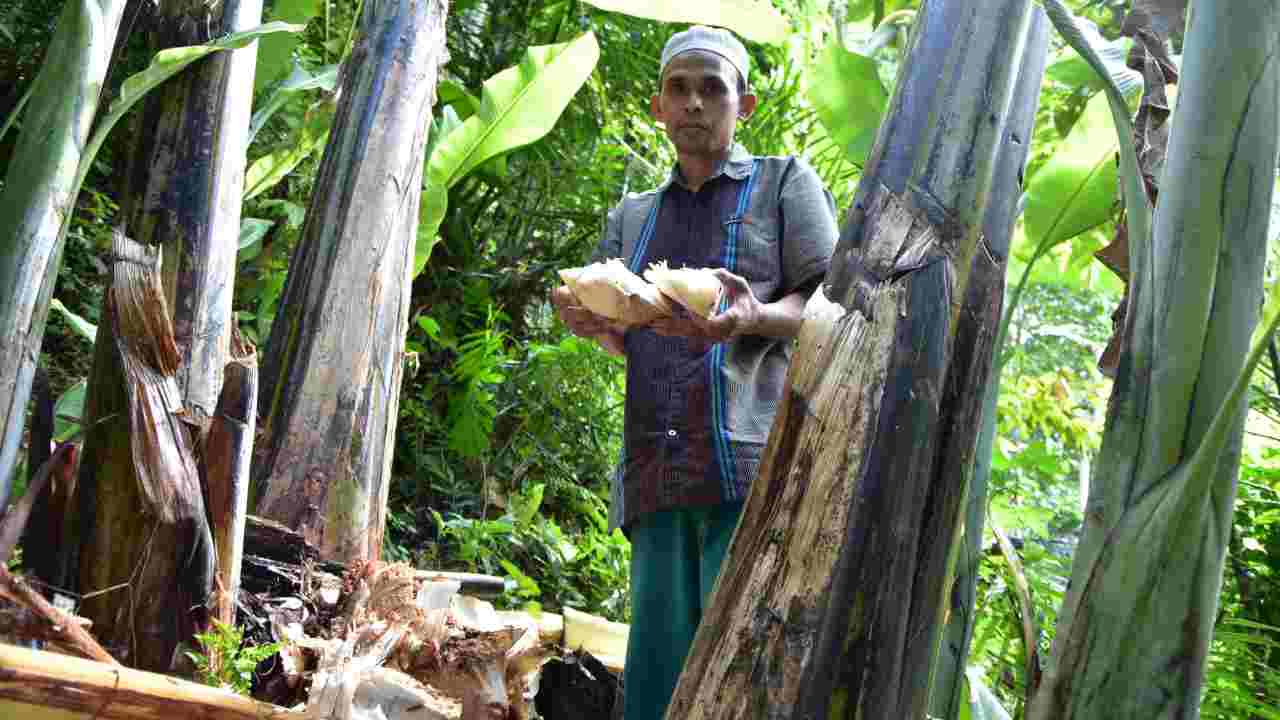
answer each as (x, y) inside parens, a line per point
(741, 316)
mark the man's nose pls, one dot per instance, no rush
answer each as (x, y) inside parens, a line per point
(694, 103)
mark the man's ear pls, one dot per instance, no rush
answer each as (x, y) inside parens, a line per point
(655, 107)
(747, 106)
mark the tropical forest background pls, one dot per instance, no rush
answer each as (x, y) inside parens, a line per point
(509, 427)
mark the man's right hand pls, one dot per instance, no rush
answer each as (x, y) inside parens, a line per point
(584, 323)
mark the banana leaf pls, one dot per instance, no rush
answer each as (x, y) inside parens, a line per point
(275, 53)
(849, 97)
(298, 81)
(165, 65)
(756, 20)
(518, 106)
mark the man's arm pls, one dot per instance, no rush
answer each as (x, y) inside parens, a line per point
(744, 314)
(584, 323)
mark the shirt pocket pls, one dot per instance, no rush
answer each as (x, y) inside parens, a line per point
(757, 257)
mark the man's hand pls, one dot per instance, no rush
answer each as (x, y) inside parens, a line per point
(586, 324)
(740, 316)
(744, 314)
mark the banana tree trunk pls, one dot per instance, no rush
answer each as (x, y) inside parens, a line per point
(946, 696)
(1134, 630)
(181, 201)
(831, 600)
(37, 200)
(140, 538)
(333, 363)
(184, 183)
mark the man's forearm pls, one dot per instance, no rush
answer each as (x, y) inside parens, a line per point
(780, 319)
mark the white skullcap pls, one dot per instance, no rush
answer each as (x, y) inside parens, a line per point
(712, 40)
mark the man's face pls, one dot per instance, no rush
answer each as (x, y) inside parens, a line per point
(699, 104)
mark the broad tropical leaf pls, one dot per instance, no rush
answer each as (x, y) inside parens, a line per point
(518, 106)
(1069, 68)
(83, 328)
(849, 98)
(1076, 189)
(273, 167)
(68, 412)
(275, 53)
(756, 20)
(252, 230)
(298, 81)
(1082, 36)
(165, 65)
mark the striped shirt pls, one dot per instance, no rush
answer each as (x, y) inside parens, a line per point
(698, 414)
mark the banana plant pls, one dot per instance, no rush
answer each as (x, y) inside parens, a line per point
(756, 20)
(1134, 629)
(51, 160)
(517, 107)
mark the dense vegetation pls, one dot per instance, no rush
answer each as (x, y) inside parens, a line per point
(509, 427)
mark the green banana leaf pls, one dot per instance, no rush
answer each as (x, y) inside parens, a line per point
(1078, 35)
(275, 53)
(849, 97)
(270, 169)
(165, 65)
(1076, 189)
(298, 81)
(756, 20)
(252, 230)
(82, 327)
(518, 106)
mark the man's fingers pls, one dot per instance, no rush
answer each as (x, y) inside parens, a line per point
(735, 283)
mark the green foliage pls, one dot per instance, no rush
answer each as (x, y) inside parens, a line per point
(275, 53)
(850, 99)
(517, 107)
(551, 568)
(225, 660)
(755, 20)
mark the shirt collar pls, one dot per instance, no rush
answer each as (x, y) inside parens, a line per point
(737, 166)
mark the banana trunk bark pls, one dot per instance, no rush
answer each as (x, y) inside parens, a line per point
(37, 201)
(831, 600)
(1134, 630)
(333, 363)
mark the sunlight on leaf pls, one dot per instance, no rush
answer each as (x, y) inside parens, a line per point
(1076, 189)
(298, 81)
(756, 20)
(518, 106)
(83, 328)
(164, 65)
(850, 99)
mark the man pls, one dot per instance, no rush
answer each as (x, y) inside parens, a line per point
(701, 393)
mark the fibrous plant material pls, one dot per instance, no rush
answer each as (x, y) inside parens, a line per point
(610, 290)
(831, 600)
(697, 289)
(138, 545)
(58, 626)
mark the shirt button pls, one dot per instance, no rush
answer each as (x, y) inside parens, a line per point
(671, 433)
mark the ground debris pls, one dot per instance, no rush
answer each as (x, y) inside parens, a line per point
(401, 645)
